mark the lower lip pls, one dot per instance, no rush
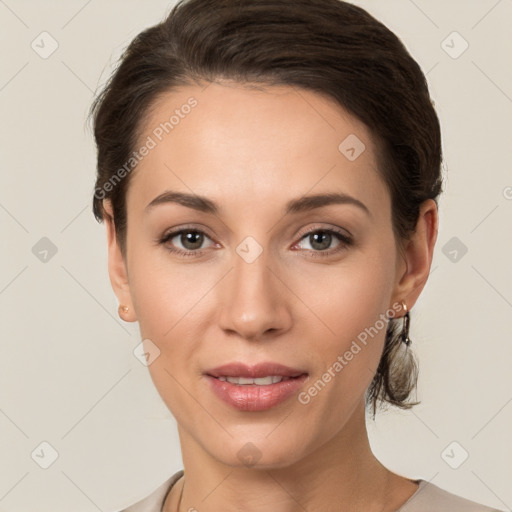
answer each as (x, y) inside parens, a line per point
(253, 397)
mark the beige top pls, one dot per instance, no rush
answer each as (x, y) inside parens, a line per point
(427, 498)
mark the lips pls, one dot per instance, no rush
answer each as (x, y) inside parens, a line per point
(259, 370)
(255, 397)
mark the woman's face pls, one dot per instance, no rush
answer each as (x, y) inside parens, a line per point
(254, 282)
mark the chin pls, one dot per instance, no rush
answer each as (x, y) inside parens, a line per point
(257, 452)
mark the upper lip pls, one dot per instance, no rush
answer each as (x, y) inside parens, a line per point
(237, 369)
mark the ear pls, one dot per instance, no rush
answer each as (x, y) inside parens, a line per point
(117, 267)
(413, 263)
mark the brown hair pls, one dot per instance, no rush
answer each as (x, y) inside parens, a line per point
(330, 47)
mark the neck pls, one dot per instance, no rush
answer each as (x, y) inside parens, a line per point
(341, 473)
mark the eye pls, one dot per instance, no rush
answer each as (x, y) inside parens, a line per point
(320, 240)
(190, 239)
(188, 242)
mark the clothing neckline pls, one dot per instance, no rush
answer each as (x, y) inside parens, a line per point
(179, 475)
(421, 484)
(174, 480)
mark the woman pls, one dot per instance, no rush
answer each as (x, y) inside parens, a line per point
(268, 173)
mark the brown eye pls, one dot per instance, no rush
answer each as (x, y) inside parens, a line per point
(185, 241)
(191, 239)
(321, 242)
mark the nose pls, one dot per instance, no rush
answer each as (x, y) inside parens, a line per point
(253, 300)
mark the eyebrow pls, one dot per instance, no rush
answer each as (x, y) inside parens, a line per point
(301, 204)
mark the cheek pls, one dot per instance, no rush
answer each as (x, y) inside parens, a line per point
(347, 297)
(345, 325)
(175, 306)
(169, 303)
(163, 293)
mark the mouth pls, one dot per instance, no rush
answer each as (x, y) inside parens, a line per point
(259, 381)
(256, 393)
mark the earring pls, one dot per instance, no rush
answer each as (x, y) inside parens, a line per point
(405, 326)
(122, 309)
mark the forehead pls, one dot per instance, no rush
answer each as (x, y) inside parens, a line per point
(240, 143)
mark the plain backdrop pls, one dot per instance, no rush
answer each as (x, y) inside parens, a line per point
(72, 394)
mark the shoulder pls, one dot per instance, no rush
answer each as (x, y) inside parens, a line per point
(153, 502)
(431, 498)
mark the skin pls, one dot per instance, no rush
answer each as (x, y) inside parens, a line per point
(251, 151)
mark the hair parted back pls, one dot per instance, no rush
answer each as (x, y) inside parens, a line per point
(330, 47)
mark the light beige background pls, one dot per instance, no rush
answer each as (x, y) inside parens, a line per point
(68, 376)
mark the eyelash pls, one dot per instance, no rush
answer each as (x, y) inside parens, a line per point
(345, 240)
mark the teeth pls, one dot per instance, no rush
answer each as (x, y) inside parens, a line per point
(261, 381)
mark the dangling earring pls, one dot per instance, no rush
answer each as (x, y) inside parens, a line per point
(122, 309)
(405, 326)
